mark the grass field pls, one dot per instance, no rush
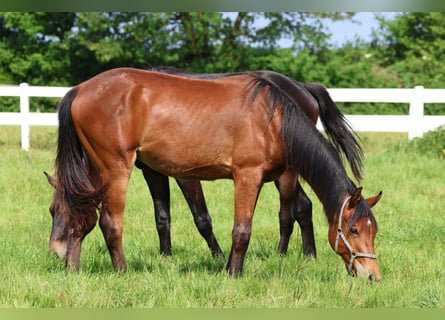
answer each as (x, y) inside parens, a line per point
(410, 243)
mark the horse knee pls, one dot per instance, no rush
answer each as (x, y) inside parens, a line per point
(110, 229)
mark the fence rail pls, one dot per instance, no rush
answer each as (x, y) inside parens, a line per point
(415, 123)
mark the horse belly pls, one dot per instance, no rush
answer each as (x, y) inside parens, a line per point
(186, 160)
(211, 149)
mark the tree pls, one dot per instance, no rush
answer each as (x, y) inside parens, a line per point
(413, 45)
(32, 46)
(44, 48)
(50, 48)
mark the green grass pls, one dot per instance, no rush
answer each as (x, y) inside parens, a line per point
(410, 243)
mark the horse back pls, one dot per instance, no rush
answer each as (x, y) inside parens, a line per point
(182, 127)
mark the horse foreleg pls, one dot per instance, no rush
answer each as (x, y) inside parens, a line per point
(72, 261)
(303, 215)
(286, 187)
(111, 220)
(247, 188)
(194, 195)
(160, 192)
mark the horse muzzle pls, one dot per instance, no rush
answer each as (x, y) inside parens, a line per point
(369, 271)
(59, 248)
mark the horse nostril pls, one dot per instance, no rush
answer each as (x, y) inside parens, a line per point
(372, 277)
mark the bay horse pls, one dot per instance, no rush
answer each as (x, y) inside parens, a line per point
(336, 127)
(241, 127)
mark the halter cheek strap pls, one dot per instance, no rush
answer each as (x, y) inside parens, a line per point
(340, 234)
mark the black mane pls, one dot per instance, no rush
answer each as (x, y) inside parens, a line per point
(309, 152)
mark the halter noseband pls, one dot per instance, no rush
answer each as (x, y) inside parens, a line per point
(340, 234)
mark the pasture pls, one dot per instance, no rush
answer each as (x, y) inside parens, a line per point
(410, 244)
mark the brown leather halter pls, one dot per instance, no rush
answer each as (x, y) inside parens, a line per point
(340, 234)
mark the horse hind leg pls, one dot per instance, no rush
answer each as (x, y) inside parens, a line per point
(160, 192)
(158, 185)
(194, 195)
(286, 188)
(303, 215)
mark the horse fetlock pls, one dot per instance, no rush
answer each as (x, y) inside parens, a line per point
(234, 268)
(72, 265)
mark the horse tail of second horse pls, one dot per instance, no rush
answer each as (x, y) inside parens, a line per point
(72, 164)
(337, 128)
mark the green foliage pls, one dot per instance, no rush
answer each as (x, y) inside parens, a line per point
(63, 49)
(45, 48)
(432, 143)
(32, 46)
(413, 46)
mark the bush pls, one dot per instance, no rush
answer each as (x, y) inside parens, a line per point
(432, 142)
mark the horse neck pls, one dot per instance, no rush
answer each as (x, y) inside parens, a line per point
(317, 161)
(308, 152)
(332, 186)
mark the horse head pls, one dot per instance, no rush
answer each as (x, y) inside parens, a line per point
(352, 237)
(68, 227)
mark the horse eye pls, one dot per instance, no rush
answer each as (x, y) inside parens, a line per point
(354, 230)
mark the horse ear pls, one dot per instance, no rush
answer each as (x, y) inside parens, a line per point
(52, 181)
(373, 200)
(355, 198)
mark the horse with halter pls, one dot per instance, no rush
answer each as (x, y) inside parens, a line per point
(241, 127)
(336, 127)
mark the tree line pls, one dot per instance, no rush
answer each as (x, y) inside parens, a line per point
(66, 48)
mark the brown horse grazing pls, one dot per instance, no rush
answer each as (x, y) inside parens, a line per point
(158, 184)
(241, 127)
(337, 130)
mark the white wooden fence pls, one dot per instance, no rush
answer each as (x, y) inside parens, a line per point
(416, 123)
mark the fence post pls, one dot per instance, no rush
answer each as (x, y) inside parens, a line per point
(24, 111)
(416, 113)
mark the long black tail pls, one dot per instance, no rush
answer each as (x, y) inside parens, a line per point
(338, 129)
(72, 164)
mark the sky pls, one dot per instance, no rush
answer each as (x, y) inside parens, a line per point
(344, 31)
